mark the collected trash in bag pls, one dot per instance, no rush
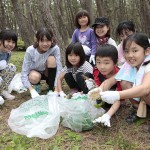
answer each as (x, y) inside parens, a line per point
(38, 117)
(78, 113)
(16, 84)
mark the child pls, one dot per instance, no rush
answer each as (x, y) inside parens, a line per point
(41, 62)
(137, 53)
(85, 35)
(102, 31)
(106, 60)
(124, 29)
(73, 72)
(8, 41)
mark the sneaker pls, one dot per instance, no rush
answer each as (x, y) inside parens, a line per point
(7, 95)
(37, 87)
(1, 101)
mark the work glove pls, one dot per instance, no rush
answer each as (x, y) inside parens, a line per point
(34, 93)
(92, 59)
(3, 64)
(90, 83)
(62, 94)
(1, 101)
(110, 96)
(105, 119)
(94, 93)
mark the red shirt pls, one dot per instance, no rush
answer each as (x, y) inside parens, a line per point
(99, 78)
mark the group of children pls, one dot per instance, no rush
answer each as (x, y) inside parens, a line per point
(92, 54)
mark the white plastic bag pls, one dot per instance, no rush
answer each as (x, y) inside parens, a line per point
(38, 117)
(78, 113)
(16, 84)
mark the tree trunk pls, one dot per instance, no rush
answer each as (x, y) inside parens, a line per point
(25, 29)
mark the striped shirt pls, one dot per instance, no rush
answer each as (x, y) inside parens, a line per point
(86, 67)
(33, 60)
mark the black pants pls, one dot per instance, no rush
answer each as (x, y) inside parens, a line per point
(79, 84)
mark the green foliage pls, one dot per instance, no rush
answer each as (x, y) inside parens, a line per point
(17, 59)
(20, 45)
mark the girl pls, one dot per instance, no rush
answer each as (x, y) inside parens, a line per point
(75, 67)
(124, 29)
(137, 53)
(8, 41)
(85, 35)
(41, 62)
(106, 60)
(102, 31)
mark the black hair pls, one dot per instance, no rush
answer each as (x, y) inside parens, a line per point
(76, 49)
(8, 34)
(125, 25)
(107, 50)
(44, 32)
(140, 39)
(80, 14)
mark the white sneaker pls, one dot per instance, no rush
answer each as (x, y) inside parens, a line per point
(7, 95)
(1, 101)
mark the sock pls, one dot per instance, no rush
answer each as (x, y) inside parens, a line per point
(51, 78)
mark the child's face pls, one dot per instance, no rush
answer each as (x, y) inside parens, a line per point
(8, 46)
(101, 30)
(83, 21)
(125, 33)
(44, 44)
(134, 54)
(73, 59)
(105, 65)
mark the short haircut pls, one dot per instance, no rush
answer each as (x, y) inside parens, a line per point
(79, 14)
(8, 34)
(140, 39)
(125, 25)
(76, 49)
(44, 32)
(107, 50)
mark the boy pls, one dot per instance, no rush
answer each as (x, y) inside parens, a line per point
(106, 59)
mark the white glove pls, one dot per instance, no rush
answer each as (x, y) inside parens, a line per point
(1, 101)
(90, 83)
(34, 93)
(62, 94)
(110, 96)
(105, 119)
(92, 59)
(3, 64)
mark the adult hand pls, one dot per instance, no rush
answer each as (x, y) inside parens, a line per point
(34, 93)
(94, 94)
(110, 96)
(90, 83)
(62, 94)
(105, 119)
(92, 59)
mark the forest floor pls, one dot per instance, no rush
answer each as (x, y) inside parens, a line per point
(121, 135)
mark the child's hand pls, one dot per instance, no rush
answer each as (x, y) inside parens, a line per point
(92, 59)
(62, 94)
(110, 96)
(94, 94)
(105, 119)
(90, 83)
(3, 64)
(34, 93)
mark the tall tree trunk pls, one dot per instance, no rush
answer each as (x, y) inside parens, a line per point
(25, 29)
(50, 23)
(99, 4)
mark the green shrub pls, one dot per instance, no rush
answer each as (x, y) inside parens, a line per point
(20, 45)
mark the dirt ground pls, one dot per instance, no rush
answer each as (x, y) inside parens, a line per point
(120, 136)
